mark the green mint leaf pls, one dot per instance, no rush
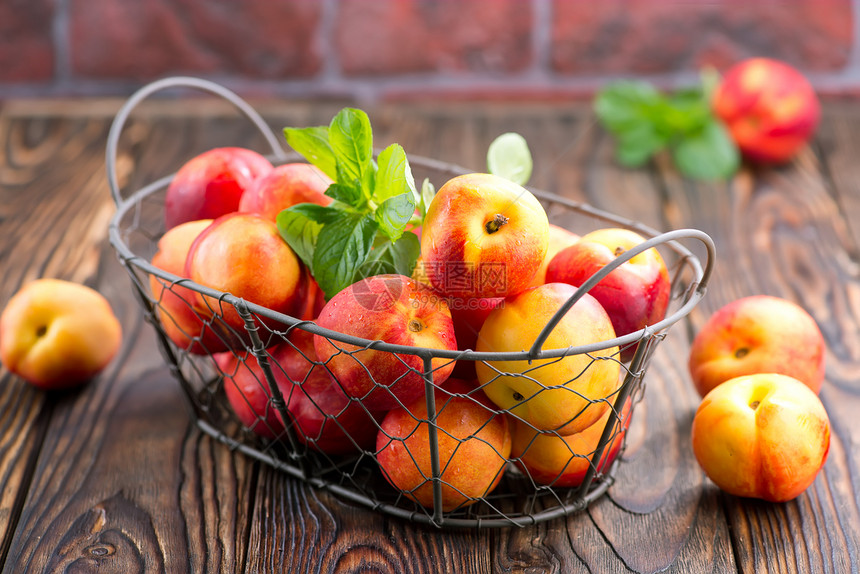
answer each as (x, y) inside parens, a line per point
(351, 138)
(300, 232)
(686, 111)
(314, 212)
(394, 213)
(391, 257)
(313, 144)
(709, 154)
(637, 144)
(428, 192)
(623, 104)
(342, 247)
(394, 176)
(348, 193)
(508, 156)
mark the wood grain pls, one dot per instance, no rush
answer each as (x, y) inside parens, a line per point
(779, 231)
(115, 477)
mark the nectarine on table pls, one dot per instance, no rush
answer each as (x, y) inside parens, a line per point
(761, 436)
(58, 334)
(757, 334)
(769, 107)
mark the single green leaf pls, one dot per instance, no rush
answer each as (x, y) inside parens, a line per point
(348, 193)
(394, 176)
(351, 138)
(624, 103)
(391, 257)
(342, 247)
(313, 144)
(428, 192)
(709, 154)
(394, 213)
(300, 232)
(686, 111)
(637, 144)
(508, 156)
(314, 212)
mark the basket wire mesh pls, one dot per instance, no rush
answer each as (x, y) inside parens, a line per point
(207, 360)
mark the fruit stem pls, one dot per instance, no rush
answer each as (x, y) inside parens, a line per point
(496, 223)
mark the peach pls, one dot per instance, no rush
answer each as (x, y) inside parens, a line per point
(323, 417)
(468, 316)
(483, 236)
(211, 184)
(286, 185)
(244, 255)
(394, 309)
(57, 334)
(770, 109)
(548, 458)
(566, 394)
(559, 238)
(757, 334)
(474, 442)
(635, 295)
(248, 393)
(320, 415)
(762, 436)
(188, 328)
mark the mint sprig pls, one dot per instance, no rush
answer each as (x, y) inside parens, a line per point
(645, 121)
(374, 201)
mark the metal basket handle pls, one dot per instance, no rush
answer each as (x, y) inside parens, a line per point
(670, 236)
(179, 82)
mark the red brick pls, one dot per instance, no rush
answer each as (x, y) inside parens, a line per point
(379, 37)
(665, 36)
(129, 39)
(26, 44)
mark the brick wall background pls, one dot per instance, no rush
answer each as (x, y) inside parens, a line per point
(377, 50)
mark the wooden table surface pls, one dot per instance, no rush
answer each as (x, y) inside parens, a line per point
(116, 477)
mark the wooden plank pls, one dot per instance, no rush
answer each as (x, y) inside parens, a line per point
(837, 145)
(27, 252)
(778, 231)
(122, 480)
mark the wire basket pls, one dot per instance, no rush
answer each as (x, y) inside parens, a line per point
(332, 451)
